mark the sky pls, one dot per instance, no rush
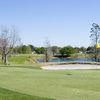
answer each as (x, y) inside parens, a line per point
(63, 22)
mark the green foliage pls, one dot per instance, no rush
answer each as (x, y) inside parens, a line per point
(29, 50)
(15, 50)
(77, 49)
(32, 48)
(24, 49)
(20, 50)
(40, 50)
(89, 48)
(83, 49)
(68, 50)
(55, 50)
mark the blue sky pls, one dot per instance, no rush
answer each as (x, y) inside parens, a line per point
(64, 22)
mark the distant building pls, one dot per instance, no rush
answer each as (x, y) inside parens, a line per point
(80, 52)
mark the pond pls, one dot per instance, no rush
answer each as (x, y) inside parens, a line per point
(67, 60)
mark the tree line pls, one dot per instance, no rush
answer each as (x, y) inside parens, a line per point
(67, 50)
(9, 43)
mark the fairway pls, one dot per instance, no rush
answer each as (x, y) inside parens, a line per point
(35, 84)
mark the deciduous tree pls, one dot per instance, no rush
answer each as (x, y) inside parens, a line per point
(48, 51)
(95, 37)
(67, 51)
(8, 39)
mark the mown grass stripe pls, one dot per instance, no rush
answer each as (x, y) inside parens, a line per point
(6, 94)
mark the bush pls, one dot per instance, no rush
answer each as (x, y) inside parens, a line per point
(67, 51)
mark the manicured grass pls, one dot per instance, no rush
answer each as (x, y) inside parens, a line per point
(29, 67)
(6, 94)
(53, 84)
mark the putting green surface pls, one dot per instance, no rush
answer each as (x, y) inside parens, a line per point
(35, 84)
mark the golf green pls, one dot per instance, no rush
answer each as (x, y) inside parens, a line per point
(37, 84)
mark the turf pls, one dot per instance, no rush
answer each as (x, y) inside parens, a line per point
(6, 94)
(45, 84)
(24, 59)
(29, 67)
(18, 59)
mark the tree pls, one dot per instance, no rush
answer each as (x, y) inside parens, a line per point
(48, 51)
(67, 51)
(43, 50)
(20, 49)
(24, 49)
(90, 49)
(83, 49)
(95, 36)
(40, 50)
(77, 49)
(29, 49)
(32, 48)
(55, 49)
(15, 50)
(8, 39)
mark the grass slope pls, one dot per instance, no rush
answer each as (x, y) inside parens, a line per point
(55, 84)
(6, 94)
(21, 59)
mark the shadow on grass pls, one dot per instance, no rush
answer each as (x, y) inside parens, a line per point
(68, 74)
(6, 94)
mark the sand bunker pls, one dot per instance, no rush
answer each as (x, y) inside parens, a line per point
(70, 67)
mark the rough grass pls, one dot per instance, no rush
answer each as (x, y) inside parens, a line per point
(80, 55)
(22, 59)
(18, 59)
(56, 84)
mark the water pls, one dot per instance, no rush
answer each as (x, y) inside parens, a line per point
(67, 60)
